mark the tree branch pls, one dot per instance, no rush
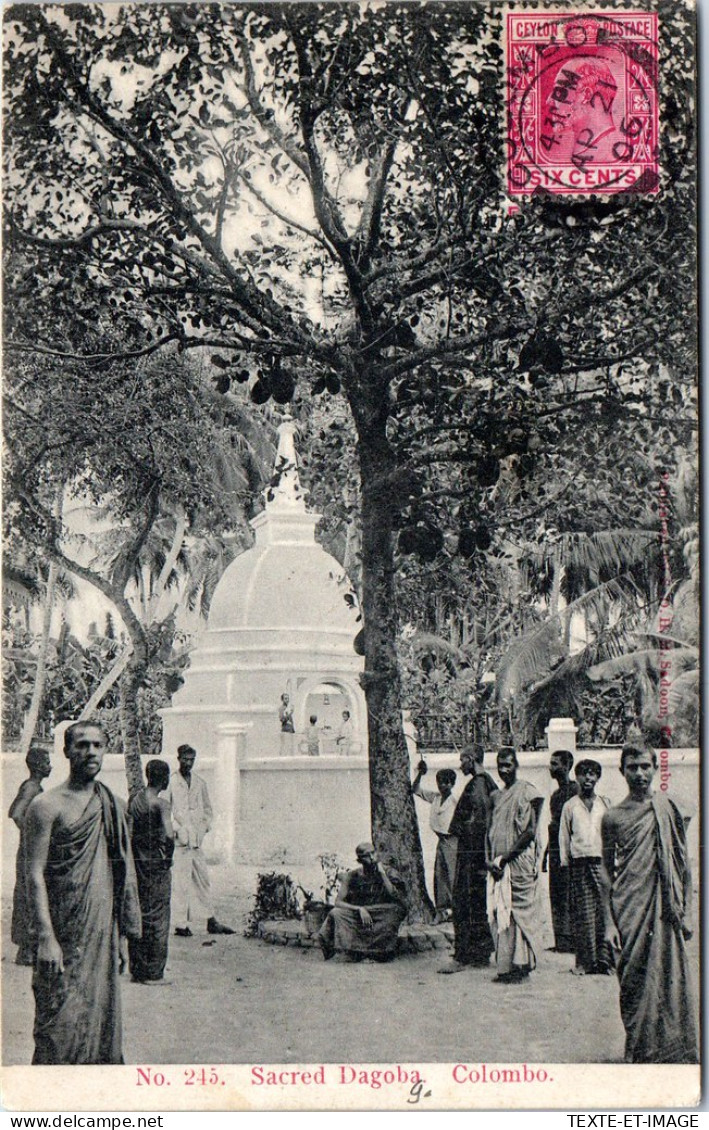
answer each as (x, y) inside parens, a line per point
(260, 311)
(178, 538)
(326, 208)
(32, 347)
(370, 220)
(286, 219)
(463, 344)
(264, 117)
(116, 597)
(127, 558)
(71, 243)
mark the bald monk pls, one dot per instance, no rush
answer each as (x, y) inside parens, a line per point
(369, 909)
(83, 894)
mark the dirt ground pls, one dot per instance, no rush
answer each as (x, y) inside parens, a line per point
(240, 1000)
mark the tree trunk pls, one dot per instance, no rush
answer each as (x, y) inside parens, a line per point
(40, 681)
(106, 683)
(130, 682)
(394, 822)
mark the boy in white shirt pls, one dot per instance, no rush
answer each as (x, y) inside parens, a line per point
(442, 808)
(580, 849)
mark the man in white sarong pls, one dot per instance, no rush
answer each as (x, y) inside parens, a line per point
(191, 813)
(513, 866)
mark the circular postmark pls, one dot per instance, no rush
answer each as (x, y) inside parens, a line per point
(582, 102)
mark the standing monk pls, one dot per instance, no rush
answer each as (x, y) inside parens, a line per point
(559, 877)
(83, 895)
(473, 940)
(153, 846)
(191, 813)
(513, 867)
(647, 867)
(22, 929)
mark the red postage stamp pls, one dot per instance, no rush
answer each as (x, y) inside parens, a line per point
(582, 102)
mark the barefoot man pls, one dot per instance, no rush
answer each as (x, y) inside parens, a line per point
(512, 863)
(473, 940)
(84, 898)
(647, 865)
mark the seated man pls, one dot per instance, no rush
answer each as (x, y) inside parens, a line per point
(370, 907)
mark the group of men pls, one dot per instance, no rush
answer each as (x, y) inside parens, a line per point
(94, 890)
(486, 863)
(619, 881)
(87, 902)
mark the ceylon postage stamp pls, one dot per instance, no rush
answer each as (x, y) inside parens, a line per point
(582, 101)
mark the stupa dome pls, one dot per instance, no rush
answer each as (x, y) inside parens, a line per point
(268, 588)
(279, 624)
(286, 581)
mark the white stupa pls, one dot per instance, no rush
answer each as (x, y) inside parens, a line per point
(279, 624)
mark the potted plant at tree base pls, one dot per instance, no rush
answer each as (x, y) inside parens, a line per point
(315, 911)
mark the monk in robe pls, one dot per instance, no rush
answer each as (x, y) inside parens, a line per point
(152, 840)
(560, 765)
(22, 928)
(513, 854)
(648, 876)
(369, 909)
(473, 940)
(84, 898)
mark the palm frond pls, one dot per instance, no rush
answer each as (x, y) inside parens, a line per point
(542, 648)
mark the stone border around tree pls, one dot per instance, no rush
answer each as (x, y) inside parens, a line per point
(413, 939)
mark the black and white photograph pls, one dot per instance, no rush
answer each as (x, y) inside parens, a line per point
(350, 559)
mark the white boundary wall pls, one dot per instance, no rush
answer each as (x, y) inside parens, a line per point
(281, 813)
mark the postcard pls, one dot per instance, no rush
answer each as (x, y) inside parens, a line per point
(351, 557)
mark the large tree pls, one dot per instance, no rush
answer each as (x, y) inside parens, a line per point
(314, 192)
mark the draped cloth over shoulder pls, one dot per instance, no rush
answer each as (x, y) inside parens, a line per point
(152, 852)
(516, 944)
(92, 891)
(473, 940)
(649, 899)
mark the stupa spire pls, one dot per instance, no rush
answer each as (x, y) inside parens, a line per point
(285, 492)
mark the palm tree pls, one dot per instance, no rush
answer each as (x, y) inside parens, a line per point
(605, 584)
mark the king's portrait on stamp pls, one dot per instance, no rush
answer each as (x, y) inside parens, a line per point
(583, 101)
(350, 714)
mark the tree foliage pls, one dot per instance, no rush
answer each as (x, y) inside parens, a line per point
(146, 460)
(313, 194)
